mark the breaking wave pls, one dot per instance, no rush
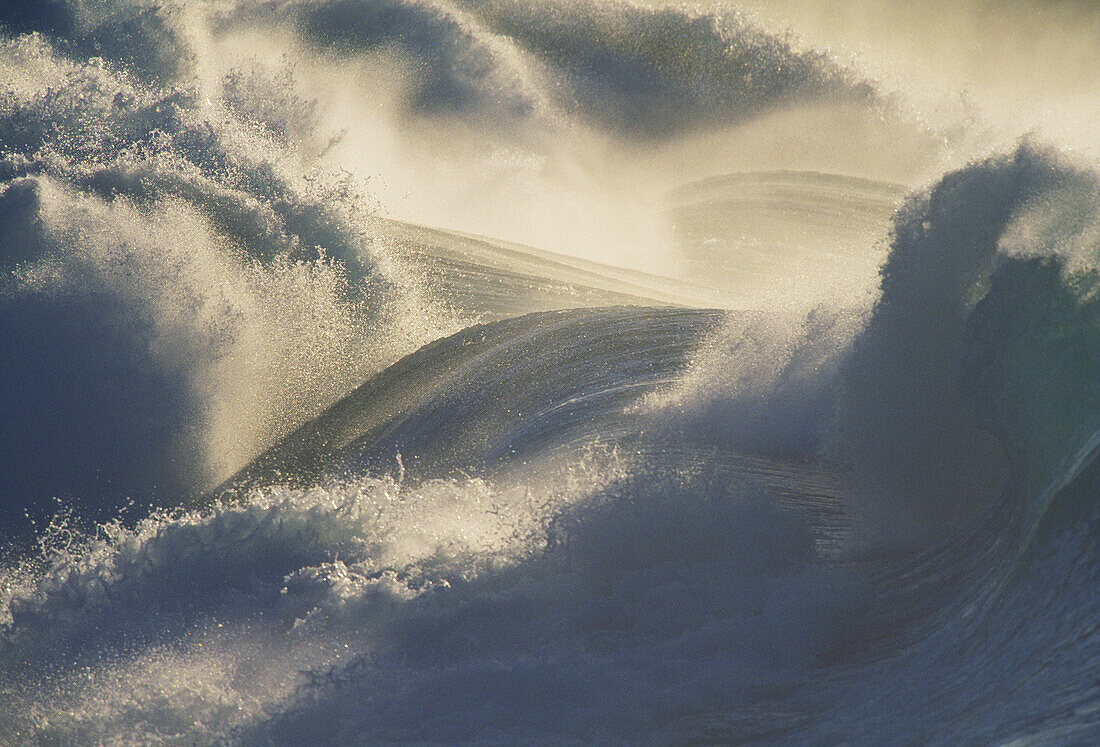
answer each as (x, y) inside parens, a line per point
(285, 461)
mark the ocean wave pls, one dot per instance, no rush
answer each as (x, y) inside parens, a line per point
(285, 461)
(170, 302)
(942, 361)
(642, 71)
(373, 583)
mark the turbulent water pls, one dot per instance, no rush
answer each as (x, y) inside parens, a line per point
(499, 371)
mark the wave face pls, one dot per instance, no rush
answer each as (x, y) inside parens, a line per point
(422, 371)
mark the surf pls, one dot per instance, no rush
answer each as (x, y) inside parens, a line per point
(492, 372)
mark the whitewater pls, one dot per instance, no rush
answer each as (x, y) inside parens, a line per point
(499, 371)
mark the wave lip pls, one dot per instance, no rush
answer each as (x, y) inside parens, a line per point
(467, 402)
(650, 72)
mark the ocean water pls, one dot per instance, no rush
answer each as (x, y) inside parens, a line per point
(496, 371)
